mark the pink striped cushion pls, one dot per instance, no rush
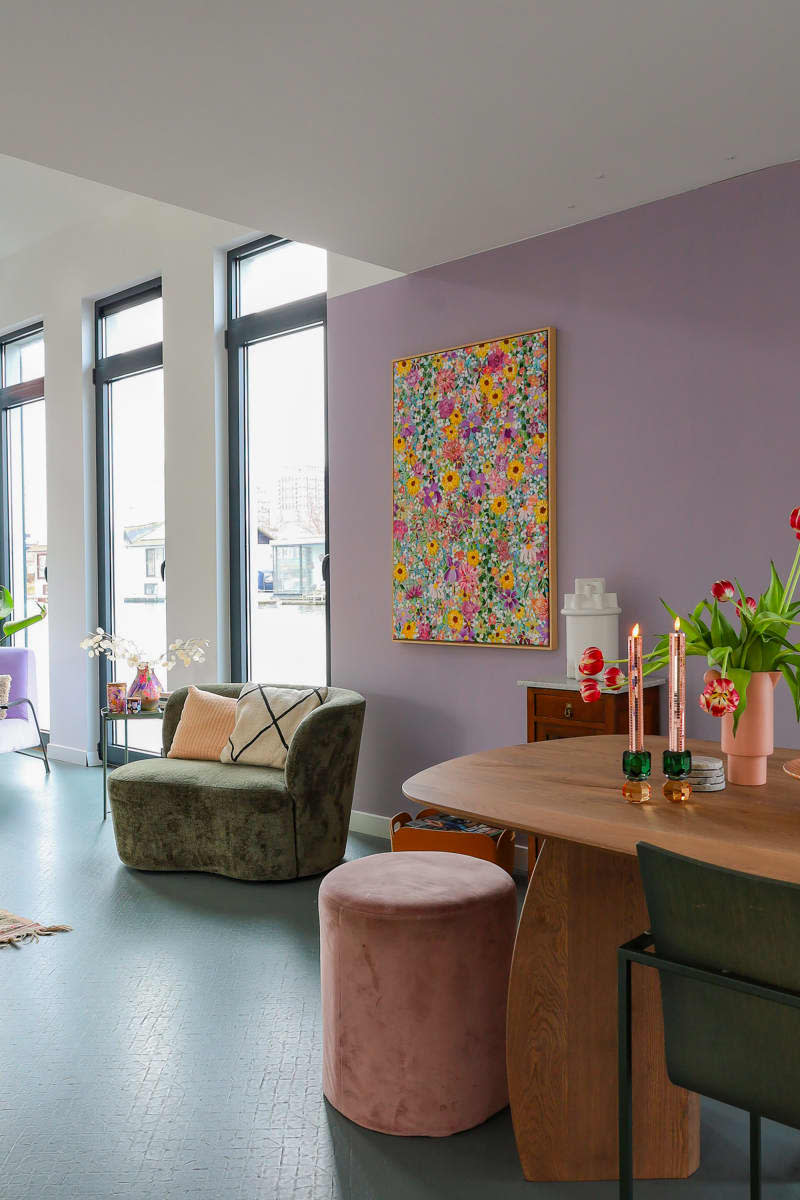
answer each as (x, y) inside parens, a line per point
(206, 723)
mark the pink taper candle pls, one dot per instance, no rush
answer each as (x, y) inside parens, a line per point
(677, 688)
(635, 692)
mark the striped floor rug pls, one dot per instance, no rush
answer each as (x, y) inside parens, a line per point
(16, 930)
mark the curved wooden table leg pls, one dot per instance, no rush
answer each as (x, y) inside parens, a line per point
(582, 903)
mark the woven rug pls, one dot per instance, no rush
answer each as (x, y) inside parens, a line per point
(16, 930)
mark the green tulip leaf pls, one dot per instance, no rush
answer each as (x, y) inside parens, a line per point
(722, 632)
(740, 679)
(773, 597)
(793, 683)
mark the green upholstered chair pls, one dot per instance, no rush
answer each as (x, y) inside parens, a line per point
(725, 946)
(255, 823)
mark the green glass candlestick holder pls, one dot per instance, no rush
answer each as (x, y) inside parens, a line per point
(636, 766)
(677, 768)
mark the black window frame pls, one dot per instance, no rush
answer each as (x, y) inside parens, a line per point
(242, 331)
(108, 369)
(15, 395)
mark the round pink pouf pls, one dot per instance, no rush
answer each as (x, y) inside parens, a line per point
(415, 955)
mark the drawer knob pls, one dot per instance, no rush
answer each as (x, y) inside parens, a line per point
(568, 712)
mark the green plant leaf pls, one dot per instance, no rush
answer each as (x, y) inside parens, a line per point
(740, 678)
(793, 684)
(718, 655)
(755, 657)
(671, 611)
(6, 603)
(699, 609)
(12, 627)
(722, 632)
(773, 596)
(704, 632)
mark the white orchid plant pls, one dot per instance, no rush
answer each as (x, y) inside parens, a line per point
(186, 651)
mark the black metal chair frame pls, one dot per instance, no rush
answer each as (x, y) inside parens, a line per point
(637, 951)
(25, 700)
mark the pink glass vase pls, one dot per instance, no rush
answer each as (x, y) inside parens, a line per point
(146, 686)
(749, 750)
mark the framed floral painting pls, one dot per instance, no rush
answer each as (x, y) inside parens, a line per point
(473, 534)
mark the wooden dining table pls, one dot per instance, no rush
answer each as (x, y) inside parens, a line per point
(584, 899)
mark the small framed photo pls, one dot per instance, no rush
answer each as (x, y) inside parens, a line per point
(116, 694)
(134, 704)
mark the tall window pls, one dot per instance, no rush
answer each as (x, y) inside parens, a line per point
(278, 462)
(130, 479)
(23, 471)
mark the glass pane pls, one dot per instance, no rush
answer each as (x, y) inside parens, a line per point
(273, 277)
(27, 521)
(286, 519)
(130, 328)
(23, 359)
(137, 527)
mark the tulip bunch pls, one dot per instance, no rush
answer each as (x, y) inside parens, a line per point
(761, 643)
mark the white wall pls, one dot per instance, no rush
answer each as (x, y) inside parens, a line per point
(57, 281)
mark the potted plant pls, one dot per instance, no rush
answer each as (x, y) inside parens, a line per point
(745, 663)
(9, 628)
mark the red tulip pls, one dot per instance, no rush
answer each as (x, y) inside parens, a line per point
(591, 661)
(719, 697)
(723, 590)
(749, 601)
(615, 678)
(590, 691)
(794, 521)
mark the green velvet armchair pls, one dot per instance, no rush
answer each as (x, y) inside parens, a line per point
(255, 823)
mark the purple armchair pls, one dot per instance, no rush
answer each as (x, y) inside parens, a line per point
(20, 729)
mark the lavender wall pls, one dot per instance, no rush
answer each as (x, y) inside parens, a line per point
(678, 439)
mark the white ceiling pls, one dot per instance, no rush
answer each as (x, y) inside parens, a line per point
(36, 202)
(402, 133)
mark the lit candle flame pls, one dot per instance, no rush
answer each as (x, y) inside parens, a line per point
(677, 624)
(635, 630)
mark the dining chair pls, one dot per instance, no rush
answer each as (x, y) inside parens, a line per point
(725, 946)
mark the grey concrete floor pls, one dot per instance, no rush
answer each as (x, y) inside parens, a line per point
(170, 1046)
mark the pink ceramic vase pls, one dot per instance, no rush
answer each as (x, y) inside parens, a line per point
(749, 750)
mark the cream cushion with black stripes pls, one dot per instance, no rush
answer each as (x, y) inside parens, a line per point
(266, 718)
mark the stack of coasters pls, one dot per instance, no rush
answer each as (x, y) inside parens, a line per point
(707, 774)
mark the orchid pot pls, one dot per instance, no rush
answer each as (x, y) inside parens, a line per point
(146, 684)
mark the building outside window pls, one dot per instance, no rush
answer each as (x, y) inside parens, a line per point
(129, 382)
(276, 347)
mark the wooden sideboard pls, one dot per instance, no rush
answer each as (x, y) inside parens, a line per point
(555, 709)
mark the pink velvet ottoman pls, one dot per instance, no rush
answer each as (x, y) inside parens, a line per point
(415, 954)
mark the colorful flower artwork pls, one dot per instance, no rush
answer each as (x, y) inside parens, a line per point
(473, 494)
